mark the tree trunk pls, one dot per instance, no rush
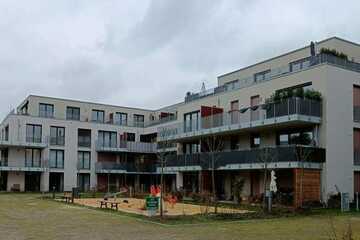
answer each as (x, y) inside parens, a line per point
(161, 188)
(213, 184)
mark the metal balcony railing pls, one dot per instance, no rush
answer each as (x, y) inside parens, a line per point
(288, 107)
(251, 156)
(126, 146)
(274, 73)
(32, 139)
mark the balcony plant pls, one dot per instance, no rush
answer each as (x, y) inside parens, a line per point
(334, 52)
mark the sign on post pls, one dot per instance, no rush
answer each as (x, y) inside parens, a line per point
(152, 205)
(345, 202)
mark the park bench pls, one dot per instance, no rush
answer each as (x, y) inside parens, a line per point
(106, 203)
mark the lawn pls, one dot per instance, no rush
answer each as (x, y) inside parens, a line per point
(26, 216)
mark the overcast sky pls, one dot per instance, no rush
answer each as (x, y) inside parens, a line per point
(150, 53)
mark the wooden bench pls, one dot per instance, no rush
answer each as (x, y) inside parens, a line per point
(113, 204)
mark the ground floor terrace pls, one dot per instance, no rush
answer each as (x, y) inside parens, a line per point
(294, 186)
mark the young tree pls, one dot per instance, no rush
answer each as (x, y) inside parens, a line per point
(162, 155)
(265, 156)
(213, 145)
(303, 154)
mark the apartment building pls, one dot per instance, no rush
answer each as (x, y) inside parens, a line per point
(297, 114)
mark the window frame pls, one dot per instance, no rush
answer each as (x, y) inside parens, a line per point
(57, 159)
(70, 113)
(59, 140)
(45, 113)
(98, 113)
(81, 160)
(33, 138)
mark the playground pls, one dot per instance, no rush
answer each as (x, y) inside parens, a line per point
(138, 206)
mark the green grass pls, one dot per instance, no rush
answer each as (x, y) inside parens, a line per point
(27, 216)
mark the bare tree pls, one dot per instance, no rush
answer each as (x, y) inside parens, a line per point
(303, 154)
(214, 144)
(162, 154)
(265, 156)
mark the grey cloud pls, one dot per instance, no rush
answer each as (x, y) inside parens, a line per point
(148, 54)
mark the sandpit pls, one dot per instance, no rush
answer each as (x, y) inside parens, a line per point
(134, 205)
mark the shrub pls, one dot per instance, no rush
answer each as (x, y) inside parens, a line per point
(334, 52)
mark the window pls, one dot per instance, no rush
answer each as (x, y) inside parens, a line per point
(56, 158)
(107, 139)
(32, 157)
(255, 113)
(57, 136)
(33, 133)
(130, 137)
(120, 118)
(262, 76)
(234, 112)
(73, 113)
(4, 157)
(191, 148)
(84, 182)
(232, 85)
(299, 64)
(191, 121)
(6, 133)
(97, 116)
(255, 141)
(46, 110)
(300, 137)
(84, 160)
(84, 138)
(138, 120)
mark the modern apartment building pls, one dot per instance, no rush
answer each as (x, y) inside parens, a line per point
(297, 114)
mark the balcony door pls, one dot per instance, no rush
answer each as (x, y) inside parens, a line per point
(234, 112)
(254, 113)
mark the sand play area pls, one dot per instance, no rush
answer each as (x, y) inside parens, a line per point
(134, 205)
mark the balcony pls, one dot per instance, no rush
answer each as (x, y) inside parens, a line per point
(275, 73)
(23, 166)
(276, 157)
(28, 143)
(112, 167)
(293, 111)
(135, 147)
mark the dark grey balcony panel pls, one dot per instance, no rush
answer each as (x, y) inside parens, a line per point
(357, 158)
(252, 156)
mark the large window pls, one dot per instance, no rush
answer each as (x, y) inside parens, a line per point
(120, 118)
(46, 110)
(138, 120)
(73, 113)
(56, 158)
(98, 116)
(191, 121)
(299, 64)
(84, 138)
(301, 137)
(262, 76)
(57, 136)
(33, 133)
(32, 157)
(107, 139)
(84, 160)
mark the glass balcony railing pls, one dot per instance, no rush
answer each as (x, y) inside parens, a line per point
(128, 167)
(57, 141)
(247, 116)
(126, 146)
(251, 156)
